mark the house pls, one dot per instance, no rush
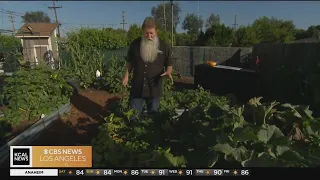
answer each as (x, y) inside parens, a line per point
(39, 42)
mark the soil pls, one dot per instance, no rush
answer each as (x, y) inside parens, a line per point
(10, 131)
(86, 115)
(14, 130)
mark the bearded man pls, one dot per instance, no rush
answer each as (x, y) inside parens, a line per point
(150, 60)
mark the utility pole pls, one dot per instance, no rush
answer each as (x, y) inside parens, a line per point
(12, 22)
(123, 20)
(54, 7)
(164, 16)
(198, 17)
(171, 23)
(235, 23)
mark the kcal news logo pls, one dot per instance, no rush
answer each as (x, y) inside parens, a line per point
(20, 156)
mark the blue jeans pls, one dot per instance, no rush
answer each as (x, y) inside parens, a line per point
(152, 104)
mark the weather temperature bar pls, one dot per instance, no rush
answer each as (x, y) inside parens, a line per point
(154, 172)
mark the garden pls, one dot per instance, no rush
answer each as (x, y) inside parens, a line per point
(194, 127)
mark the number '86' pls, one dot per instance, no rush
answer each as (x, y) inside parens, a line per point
(245, 172)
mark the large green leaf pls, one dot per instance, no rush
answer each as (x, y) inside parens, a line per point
(240, 154)
(260, 160)
(224, 148)
(272, 135)
(245, 134)
(285, 153)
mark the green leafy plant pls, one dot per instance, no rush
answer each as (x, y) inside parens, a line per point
(115, 148)
(111, 79)
(33, 92)
(252, 135)
(84, 53)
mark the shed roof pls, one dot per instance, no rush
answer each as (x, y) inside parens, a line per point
(37, 29)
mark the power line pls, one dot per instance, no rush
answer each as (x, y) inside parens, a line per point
(54, 7)
(5, 31)
(123, 20)
(87, 25)
(5, 11)
(112, 25)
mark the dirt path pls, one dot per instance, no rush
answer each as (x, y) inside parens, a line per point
(87, 113)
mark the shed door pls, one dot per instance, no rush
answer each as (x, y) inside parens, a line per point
(40, 51)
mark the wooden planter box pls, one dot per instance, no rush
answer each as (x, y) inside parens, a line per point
(30, 134)
(223, 80)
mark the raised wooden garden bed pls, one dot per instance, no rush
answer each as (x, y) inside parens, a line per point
(27, 132)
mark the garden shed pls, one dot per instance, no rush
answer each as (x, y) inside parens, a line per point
(39, 42)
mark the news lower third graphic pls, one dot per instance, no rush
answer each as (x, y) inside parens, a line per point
(130, 172)
(65, 161)
(50, 156)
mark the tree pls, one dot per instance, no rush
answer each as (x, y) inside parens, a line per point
(212, 20)
(246, 36)
(274, 30)
(184, 39)
(301, 34)
(36, 17)
(9, 42)
(192, 23)
(313, 30)
(165, 36)
(134, 32)
(158, 13)
(219, 35)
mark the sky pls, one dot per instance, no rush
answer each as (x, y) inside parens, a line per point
(76, 14)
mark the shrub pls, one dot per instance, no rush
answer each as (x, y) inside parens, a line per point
(134, 32)
(10, 53)
(111, 79)
(31, 93)
(9, 42)
(86, 49)
(97, 39)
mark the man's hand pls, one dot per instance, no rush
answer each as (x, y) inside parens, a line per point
(168, 73)
(125, 77)
(125, 80)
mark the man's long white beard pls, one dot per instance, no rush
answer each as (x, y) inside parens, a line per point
(149, 49)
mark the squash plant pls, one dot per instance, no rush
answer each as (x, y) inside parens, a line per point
(113, 147)
(214, 133)
(33, 92)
